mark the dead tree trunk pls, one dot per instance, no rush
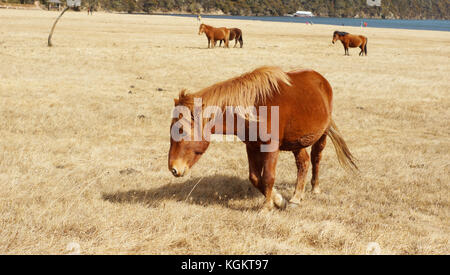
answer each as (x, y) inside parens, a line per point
(54, 25)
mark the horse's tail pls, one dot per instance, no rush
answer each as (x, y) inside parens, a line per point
(365, 46)
(345, 157)
(241, 40)
(227, 36)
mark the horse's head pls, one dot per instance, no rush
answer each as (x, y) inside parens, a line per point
(186, 148)
(201, 30)
(335, 37)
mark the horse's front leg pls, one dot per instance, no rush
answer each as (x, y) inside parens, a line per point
(255, 167)
(209, 41)
(273, 198)
(257, 163)
(213, 43)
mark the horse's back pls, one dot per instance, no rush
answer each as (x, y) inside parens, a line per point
(236, 31)
(221, 33)
(356, 40)
(310, 82)
(305, 109)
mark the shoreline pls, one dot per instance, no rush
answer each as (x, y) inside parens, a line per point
(287, 19)
(303, 20)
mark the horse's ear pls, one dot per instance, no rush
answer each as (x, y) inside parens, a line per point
(182, 93)
(176, 101)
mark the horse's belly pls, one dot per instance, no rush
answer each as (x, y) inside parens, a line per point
(355, 43)
(299, 142)
(219, 34)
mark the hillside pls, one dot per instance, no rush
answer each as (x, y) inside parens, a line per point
(390, 9)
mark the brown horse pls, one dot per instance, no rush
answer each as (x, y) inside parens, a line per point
(236, 35)
(304, 102)
(352, 41)
(214, 34)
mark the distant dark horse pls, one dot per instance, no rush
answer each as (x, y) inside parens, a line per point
(351, 41)
(236, 35)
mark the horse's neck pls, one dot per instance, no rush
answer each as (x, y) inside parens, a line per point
(230, 130)
(221, 118)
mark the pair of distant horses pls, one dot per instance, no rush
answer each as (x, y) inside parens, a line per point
(225, 35)
(221, 34)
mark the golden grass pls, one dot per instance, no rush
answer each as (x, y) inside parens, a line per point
(84, 160)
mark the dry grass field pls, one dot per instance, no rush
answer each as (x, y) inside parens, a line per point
(84, 131)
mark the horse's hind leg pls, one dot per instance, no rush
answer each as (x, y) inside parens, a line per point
(362, 49)
(302, 161)
(316, 155)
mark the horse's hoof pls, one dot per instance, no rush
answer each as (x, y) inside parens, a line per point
(279, 202)
(266, 209)
(283, 205)
(293, 205)
(316, 190)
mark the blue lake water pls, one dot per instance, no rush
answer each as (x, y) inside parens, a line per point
(434, 25)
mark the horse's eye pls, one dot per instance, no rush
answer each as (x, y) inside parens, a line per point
(198, 153)
(182, 133)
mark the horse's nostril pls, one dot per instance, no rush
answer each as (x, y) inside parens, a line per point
(174, 172)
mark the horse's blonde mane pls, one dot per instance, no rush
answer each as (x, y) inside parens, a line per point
(245, 91)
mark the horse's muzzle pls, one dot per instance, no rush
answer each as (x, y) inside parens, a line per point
(174, 172)
(178, 171)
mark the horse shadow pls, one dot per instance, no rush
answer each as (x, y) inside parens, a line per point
(195, 48)
(212, 190)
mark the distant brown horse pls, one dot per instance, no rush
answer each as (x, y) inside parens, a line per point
(304, 101)
(352, 41)
(236, 35)
(214, 34)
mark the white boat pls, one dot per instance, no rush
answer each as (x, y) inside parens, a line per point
(303, 14)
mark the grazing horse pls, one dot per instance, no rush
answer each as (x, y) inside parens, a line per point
(352, 41)
(303, 99)
(214, 34)
(236, 35)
